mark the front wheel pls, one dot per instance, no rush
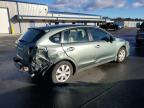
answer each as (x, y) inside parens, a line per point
(62, 72)
(121, 56)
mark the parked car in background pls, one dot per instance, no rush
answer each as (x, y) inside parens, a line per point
(140, 36)
(62, 50)
(142, 26)
(109, 26)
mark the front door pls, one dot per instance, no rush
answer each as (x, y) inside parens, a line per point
(104, 49)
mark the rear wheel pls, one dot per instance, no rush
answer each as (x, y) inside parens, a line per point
(121, 56)
(62, 72)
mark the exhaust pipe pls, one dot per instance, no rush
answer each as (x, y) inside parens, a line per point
(24, 69)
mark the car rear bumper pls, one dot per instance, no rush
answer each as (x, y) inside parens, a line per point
(33, 68)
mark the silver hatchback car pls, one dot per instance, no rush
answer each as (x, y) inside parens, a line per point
(62, 50)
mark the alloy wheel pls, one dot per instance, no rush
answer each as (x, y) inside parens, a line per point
(63, 73)
(121, 55)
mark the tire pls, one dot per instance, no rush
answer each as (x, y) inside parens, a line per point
(62, 72)
(121, 56)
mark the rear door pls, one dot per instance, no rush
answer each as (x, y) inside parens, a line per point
(77, 46)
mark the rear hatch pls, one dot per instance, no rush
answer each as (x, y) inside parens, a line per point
(27, 42)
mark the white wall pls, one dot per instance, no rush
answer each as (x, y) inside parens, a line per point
(32, 9)
(73, 15)
(4, 21)
(38, 10)
(131, 23)
(12, 8)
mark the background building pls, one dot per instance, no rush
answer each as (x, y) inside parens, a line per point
(129, 23)
(17, 17)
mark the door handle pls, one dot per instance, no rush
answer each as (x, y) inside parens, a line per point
(97, 46)
(70, 49)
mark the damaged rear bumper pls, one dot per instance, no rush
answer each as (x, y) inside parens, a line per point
(35, 67)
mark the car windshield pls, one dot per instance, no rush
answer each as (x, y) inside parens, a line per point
(32, 35)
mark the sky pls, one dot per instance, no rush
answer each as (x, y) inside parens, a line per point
(110, 8)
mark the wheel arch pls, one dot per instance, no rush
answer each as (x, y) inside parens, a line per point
(123, 46)
(70, 61)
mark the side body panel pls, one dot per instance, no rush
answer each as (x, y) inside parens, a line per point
(104, 51)
(82, 53)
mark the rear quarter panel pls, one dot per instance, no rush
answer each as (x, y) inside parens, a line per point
(55, 51)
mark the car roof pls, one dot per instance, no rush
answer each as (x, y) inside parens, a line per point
(59, 27)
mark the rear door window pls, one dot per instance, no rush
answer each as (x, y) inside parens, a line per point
(56, 38)
(75, 36)
(32, 35)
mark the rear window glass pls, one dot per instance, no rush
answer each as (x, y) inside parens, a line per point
(32, 35)
(56, 38)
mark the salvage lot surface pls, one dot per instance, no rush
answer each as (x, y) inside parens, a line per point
(110, 85)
